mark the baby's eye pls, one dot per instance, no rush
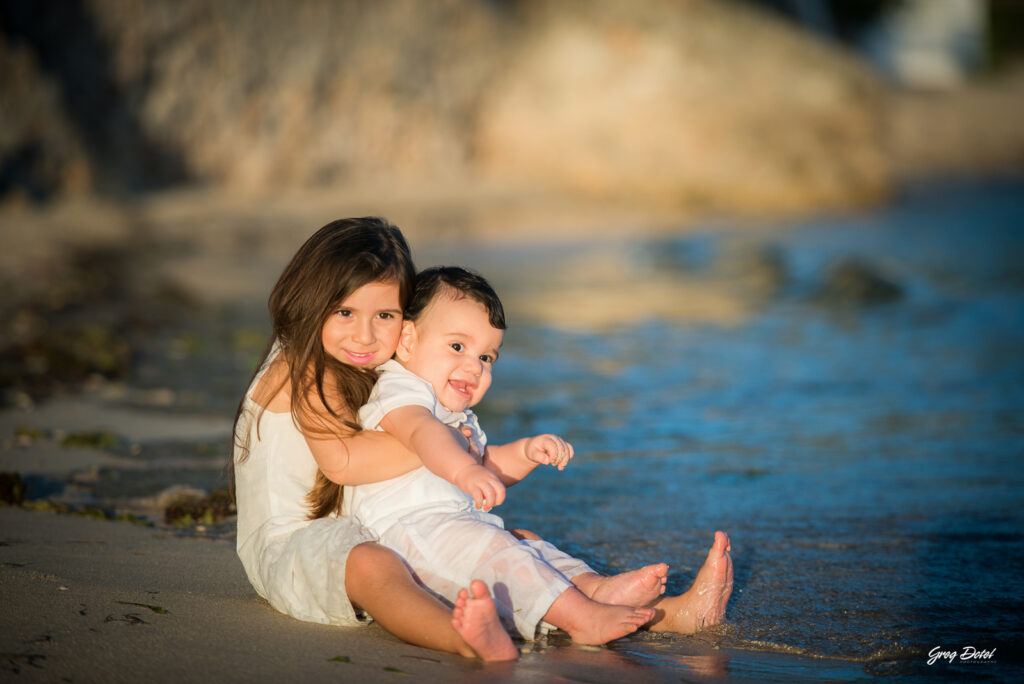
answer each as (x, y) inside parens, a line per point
(487, 358)
(457, 346)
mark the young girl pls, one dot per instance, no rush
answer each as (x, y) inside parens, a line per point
(336, 315)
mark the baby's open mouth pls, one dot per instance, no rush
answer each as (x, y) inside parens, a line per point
(461, 387)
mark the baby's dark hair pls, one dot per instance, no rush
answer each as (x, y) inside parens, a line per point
(462, 282)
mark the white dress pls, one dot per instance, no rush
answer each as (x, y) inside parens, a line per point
(434, 526)
(297, 564)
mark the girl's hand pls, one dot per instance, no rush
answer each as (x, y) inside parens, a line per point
(481, 484)
(549, 450)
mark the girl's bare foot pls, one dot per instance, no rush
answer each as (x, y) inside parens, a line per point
(634, 588)
(704, 603)
(590, 622)
(475, 618)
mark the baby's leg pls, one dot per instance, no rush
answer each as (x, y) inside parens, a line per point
(704, 603)
(589, 622)
(523, 584)
(639, 587)
(445, 550)
(378, 582)
(521, 572)
(634, 588)
(448, 550)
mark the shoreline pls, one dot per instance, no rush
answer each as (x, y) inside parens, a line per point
(93, 600)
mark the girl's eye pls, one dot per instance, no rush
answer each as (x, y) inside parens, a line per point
(386, 315)
(457, 346)
(344, 312)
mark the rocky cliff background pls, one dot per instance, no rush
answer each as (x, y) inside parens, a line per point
(160, 160)
(703, 105)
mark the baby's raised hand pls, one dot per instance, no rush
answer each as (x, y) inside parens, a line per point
(549, 450)
(481, 484)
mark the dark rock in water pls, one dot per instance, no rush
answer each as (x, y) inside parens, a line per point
(854, 282)
(194, 510)
(12, 489)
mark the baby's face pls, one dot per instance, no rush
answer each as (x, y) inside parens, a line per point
(454, 348)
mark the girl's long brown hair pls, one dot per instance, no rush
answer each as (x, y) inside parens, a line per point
(333, 263)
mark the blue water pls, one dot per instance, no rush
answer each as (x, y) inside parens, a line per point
(865, 459)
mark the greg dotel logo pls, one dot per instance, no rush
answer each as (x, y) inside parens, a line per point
(966, 654)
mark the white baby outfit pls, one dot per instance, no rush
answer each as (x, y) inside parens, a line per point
(434, 526)
(297, 564)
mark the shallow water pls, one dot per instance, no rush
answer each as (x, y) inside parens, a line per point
(864, 457)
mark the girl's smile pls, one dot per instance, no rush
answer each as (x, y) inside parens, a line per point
(359, 359)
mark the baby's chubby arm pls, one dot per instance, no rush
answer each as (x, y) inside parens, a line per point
(515, 460)
(419, 431)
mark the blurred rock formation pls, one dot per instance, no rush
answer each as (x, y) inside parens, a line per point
(699, 104)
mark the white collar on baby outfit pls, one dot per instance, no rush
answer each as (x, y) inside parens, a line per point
(443, 413)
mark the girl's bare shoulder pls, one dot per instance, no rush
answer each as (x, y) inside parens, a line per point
(273, 391)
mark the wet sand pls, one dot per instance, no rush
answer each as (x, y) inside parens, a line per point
(89, 600)
(96, 601)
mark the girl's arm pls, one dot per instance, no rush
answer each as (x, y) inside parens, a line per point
(345, 457)
(514, 461)
(362, 458)
(418, 430)
(367, 456)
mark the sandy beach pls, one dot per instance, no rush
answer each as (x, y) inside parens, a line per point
(95, 601)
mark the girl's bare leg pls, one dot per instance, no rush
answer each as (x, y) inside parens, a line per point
(704, 603)
(380, 583)
(589, 622)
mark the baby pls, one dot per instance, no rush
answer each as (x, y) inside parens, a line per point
(435, 516)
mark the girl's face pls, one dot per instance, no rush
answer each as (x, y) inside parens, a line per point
(364, 331)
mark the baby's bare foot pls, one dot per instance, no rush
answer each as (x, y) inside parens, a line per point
(475, 618)
(634, 588)
(704, 603)
(607, 623)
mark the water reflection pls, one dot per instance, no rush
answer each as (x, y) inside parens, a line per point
(863, 455)
(611, 283)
